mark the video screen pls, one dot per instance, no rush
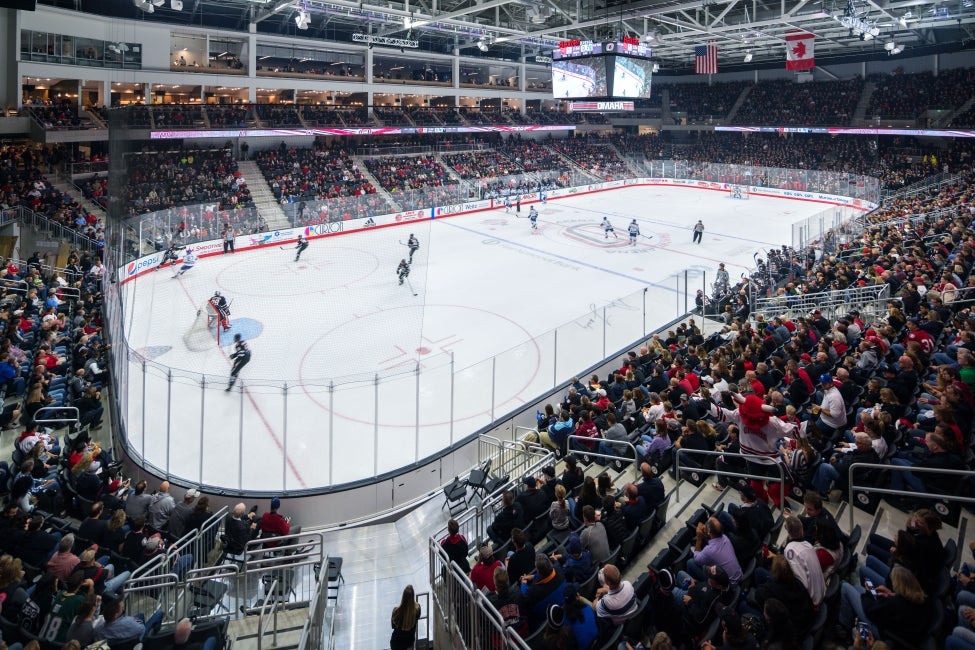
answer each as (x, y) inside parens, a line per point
(577, 78)
(631, 77)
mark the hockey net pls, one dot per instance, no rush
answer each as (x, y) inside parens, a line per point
(738, 192)
(205, 330)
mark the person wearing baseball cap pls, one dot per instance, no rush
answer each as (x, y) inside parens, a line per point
(831, 409)
(273, 524)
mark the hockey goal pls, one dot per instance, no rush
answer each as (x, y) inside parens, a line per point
(205, 330)
(738, 192)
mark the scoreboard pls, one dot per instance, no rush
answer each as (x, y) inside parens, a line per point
(610, 70)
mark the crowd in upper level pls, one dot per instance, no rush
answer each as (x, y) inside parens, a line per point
(908, 96)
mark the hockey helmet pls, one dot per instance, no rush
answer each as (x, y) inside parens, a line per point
(216, 293)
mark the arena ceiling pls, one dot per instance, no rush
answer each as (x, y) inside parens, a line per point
(511, 29)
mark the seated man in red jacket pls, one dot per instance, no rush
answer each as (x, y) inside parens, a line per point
(273, 524)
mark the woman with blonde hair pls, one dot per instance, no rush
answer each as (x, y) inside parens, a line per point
(404, 621)
(902, 609)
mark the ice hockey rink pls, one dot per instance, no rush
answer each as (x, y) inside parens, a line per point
(353, 376)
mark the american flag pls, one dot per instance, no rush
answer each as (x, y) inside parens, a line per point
(706, 59)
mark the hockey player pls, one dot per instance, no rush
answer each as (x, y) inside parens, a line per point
(403, 270)
(188, 262)
(414, 245)
(518, 204)
(698, 232)
(634, 230)
(223, 310)
(302, 245)
(533, 217)
(507, 204)
(608, 228)
(171, 255)
(241, 356)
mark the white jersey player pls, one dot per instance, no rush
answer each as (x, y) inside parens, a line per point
(533, 217)
(507, 204)
(634, 230)
(188, 262)
(608, 228)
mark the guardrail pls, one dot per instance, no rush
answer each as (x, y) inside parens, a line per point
(824, 301)
(759, 477)
(904, 493)
(56, 418)
(633, 461)
(53, 228)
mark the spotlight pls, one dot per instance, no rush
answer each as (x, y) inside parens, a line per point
(176, 5)
(482, 45)
(897, 50)
(748, 57)
(867, 36)
(655, 68)
(302, 19)
(651, 37)
(144, 5)
(890, 45)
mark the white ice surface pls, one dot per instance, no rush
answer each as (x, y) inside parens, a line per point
(487, 287)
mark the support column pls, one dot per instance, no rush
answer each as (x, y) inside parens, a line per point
(10, 92)
(106, 94)
(147, 94)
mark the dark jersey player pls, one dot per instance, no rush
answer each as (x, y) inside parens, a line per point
(223, 309)
(302, 245)
(241, 356)
(403, 270)
(414, 245)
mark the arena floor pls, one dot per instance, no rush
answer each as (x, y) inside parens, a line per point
(351, 373)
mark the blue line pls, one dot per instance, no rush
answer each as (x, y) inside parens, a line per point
(560, 257)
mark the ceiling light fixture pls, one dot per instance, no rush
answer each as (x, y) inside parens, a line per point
(748, 57)
(302, 19)
(656, 67)
(176, 5)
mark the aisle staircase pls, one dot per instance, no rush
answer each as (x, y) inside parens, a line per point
(860, 112)
(264, 199)
(737, 105)
(387, 197)
(66, 187)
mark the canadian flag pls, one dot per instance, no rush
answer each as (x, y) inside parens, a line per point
(799, 51)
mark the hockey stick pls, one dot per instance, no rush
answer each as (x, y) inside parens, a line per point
(647, 236)
(410, 285)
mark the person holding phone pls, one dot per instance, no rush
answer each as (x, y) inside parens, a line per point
(903, 609)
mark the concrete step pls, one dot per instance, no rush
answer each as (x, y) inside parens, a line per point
(263, 197)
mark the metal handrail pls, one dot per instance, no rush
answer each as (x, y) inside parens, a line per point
(262, 622)
(634, 461)
(55, 420)
(778, 465)
(905, 493)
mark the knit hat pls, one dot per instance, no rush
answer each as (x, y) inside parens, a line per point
(555, 616)
(275, 503)
(574, 544)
